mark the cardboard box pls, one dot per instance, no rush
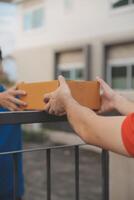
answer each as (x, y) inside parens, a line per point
(87, 93)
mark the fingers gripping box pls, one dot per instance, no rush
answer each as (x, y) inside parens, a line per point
(87, 93)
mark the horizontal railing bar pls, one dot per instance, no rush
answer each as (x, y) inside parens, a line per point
(28, 117)
(39, 149)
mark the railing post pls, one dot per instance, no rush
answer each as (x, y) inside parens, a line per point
(48, 156)
(15, 175)
(105, 174)
(77, 172)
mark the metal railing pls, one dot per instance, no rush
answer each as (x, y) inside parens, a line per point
(27, 117)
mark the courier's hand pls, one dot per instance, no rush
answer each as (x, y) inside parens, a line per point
(8, 99)
(56, 101)
(108, 96)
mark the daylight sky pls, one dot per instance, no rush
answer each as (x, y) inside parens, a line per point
(7, 9)
(7, 34)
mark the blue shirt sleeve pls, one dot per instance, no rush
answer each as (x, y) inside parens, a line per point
(10, 140)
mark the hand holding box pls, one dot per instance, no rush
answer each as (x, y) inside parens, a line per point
(87, 93)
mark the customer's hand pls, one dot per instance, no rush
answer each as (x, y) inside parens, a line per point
(9, 100)
(56, 101)
(108, 96)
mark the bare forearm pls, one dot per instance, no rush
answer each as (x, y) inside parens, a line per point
(123, 105)
(104, 132)
(78, 118)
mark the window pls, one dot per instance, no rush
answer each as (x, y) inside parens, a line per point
(68, 4)
(121, 76)
(33, 19)
(72, 73)
(71, 64)
(121, 3)
(65, 73)
(132, 76)
(38, 18)
(28, 21)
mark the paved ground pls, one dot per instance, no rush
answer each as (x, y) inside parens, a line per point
(62, 175)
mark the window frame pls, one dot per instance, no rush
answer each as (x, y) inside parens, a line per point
(72, 69)
(32, 9)
(129, 62)
(86, 50)
(121, 9)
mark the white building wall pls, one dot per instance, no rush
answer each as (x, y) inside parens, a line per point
(86, 19)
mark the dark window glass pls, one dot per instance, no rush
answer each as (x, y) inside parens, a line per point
(119, 77)
(132, 76)
(65, 73)
(73, 74)
(120, 3)
(79, 74)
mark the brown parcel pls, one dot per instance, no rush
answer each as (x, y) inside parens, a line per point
(87, 93)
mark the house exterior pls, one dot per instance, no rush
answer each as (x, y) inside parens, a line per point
(46, 27)
(81, 40)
